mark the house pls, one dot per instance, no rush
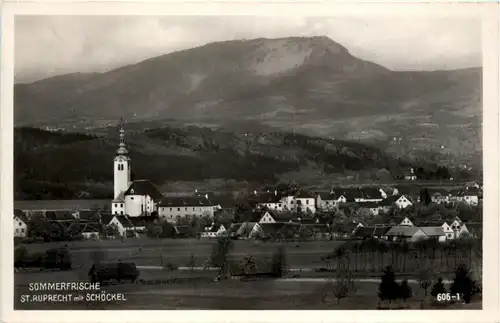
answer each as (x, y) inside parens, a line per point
(439, 196)
(410, 175)
(247, 229)
(434, 233)
(401, 202)
(20, 223)
(267, 218)
(173, 208)
(213, 231)
(131, 226)
(91, 231)
(271, 200)
(406, 222)
(347, 195)
(374, 232)
(305, 202)
(326, 201)
(470, 195)
(371, 194)
(371, 207)
(406, 233)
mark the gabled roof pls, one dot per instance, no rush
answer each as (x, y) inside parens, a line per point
(120, 198)
(371, 193)
(246, 228)
(392, 199)
(304, 195)
(88, 215)
(106, 218)
(92, 227)
(124, 221)
(60, 216)
(267, 198)
(184, 201)
(433, 231)
(144, 187)
(20, 215)
(402, 231)
(349, 193)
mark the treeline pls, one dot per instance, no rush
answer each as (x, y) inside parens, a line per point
(189, 154)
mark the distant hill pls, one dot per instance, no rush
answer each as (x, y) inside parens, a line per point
(312, 85)
(57, 165)
(52, 165)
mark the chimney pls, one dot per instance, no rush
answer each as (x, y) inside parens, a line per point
(275, 192)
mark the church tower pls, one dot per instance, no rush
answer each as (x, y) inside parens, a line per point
(121, 165)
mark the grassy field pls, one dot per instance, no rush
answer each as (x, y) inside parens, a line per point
(238, 295)
(151, 252)
(227, 294)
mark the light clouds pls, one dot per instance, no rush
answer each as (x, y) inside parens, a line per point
(51, 45)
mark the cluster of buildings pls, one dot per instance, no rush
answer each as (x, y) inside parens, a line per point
(138, 203)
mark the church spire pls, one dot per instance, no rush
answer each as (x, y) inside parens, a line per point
(122, 148)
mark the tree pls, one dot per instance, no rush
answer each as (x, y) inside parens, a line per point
(438, 288)
(220, 251)
(157, 230)
(425, 197)
(112, 230)
(341, 284)
(405, 291)
(249, 265)
(463, 284)
(279, 264)
(388, 288)
(425, 279)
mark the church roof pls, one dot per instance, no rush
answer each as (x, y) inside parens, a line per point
(144, 187)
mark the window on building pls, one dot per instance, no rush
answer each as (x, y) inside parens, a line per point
(193, 209)
(179, 209)
(121, 204)
(307, 201)
(116, 205)
(121, 212)
(142, 208)
(170, 209)
(131, 197)
(185, 209)
(22, 230)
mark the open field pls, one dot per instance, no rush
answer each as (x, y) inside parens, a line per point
(236, 295)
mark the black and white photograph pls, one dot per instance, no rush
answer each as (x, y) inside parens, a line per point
(248, 162)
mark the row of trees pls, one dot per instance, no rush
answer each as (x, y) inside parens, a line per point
(372, 254)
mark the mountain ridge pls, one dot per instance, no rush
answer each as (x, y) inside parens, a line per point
(312, 85)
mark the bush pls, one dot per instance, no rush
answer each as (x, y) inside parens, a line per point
(438, 288)
(21, 256)
(388, 288)
(463, 284)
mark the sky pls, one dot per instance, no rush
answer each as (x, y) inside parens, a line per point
(52, 45)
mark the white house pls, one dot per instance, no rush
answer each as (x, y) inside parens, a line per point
(267, 218)
(172, 208)
(132, 198)
(213, 231)
(20, 224)
(401, 202)
(305, 202)
(272, 201)
(435, 233)
(406, 222)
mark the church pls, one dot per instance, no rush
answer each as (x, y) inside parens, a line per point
(132, 198)
(140, 198)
